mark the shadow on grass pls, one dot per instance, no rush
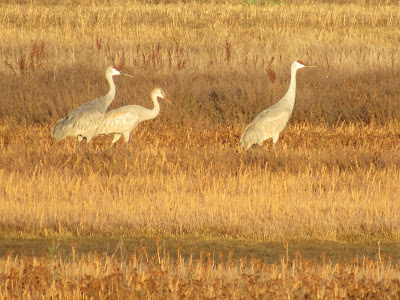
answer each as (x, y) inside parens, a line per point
(269, 252)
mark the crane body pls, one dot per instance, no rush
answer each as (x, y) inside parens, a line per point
(270, 122)
(83, 121)
(121, 121)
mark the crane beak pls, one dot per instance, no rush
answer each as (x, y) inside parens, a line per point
(169, 102)
(127, 75)
(309, 66)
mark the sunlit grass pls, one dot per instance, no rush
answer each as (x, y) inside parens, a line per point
(326, 183)
(200, 275)
(333, 177)
(219, 63)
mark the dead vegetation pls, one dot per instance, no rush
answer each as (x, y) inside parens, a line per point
(339, 183)
(221, 63)
(201, 275)
(334, 175)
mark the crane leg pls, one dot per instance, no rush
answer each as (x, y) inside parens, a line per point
(87, 145)
(117, 136)
(109, 148)
(80, 138)
(126, 139)
(127, 149)
(274, 140)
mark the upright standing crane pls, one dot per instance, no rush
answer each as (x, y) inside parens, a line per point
(123, 120)
(83, 121)
(270, 122)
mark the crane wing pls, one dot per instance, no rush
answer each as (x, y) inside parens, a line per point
(83, 120)
(267, 124)
(120, 120)
(272, 121)
(252, 135)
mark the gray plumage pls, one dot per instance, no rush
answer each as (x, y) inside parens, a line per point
(123, 120)
(270, 122)
(83, 121)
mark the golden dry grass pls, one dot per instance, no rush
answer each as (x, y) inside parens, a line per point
(201, 275)
(333, 177)
(322, 183)
(221, 63)
(218, 62)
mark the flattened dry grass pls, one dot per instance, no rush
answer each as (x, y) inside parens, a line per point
(337, 183)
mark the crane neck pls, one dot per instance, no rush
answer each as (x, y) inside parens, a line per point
(156, 108)
(111, 93)
(290, 95)
(149, 114)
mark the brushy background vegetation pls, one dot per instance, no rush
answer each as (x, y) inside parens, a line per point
(220, 63)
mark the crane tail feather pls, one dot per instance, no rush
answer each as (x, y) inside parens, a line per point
(252, 135)
(59, 131)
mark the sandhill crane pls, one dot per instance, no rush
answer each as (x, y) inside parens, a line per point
(84, 120)
(123, 120)
(270, 122)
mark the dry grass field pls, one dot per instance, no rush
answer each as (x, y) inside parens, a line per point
(203, 276)
(336, 183)
(334, 175)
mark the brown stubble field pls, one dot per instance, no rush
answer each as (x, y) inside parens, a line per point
(333, 177)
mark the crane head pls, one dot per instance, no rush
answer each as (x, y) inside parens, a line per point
(116, 71)
(113, 71)
(127, 74)
(159, 94)
(300, 64)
